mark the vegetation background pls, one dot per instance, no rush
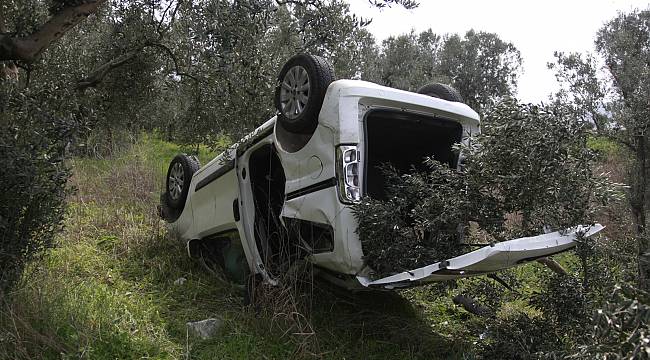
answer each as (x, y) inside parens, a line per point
(96, 96)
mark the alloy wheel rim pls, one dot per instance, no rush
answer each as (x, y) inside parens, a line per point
(294, 92)
(176, 180)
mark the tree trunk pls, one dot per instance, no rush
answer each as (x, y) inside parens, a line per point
(637, 204)
(29, 48)
(8, 70)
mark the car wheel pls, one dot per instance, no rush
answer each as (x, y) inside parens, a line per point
(300, 91)
(441, 91)
(179, 177)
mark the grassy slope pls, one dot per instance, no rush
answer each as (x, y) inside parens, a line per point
(107, 291)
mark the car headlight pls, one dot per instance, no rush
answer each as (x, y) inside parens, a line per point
(347, 171)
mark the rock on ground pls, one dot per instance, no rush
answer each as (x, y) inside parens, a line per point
(205, 329)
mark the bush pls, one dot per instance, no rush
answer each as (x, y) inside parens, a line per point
(530, 164)
(535, 161)
(620, 329)
(33, 177)
(550, 329)
(418, 223)
(519, 336)
(564, 303)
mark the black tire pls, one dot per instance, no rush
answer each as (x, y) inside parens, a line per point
(180, 183)
(295, 113)
(441, 91)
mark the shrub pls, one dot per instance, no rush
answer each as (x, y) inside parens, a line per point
(620, 329)
(33, 176)
(531, 163)
(519, 336)
(563, 301)
(535, 161)
(418, 223)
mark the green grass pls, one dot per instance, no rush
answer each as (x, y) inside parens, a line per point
(604, 146)
(107, 291)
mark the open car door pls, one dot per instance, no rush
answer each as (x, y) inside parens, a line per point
(488, 259)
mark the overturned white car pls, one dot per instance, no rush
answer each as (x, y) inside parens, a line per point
(285, 191)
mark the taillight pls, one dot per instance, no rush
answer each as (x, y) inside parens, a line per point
(347, 171)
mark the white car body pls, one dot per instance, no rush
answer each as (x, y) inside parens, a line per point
(220, 197)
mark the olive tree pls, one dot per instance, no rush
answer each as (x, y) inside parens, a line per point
(481, 66)
(408, 61)
(33, 177)
(615, 97)
(73, 71)
(528, 171)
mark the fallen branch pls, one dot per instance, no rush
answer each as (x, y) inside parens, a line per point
(472, 306)
(553, 265)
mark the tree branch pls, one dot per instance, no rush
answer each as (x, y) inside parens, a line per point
(407, 4)
(298, 2)
(472, 306)
(169, 52)
(98, 75)
(503, 283)
(28, 49)
(159, 29)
